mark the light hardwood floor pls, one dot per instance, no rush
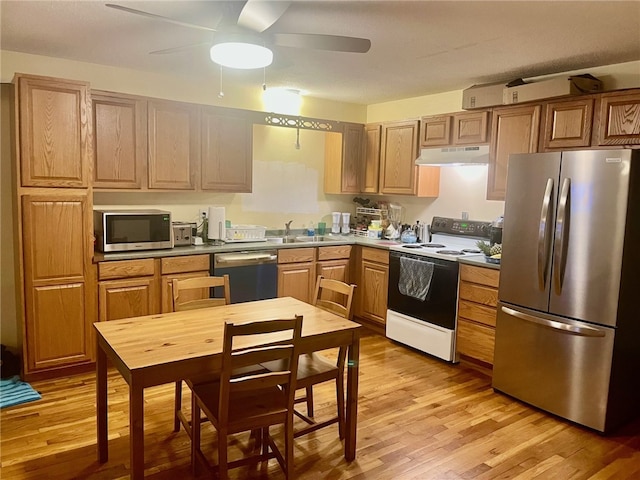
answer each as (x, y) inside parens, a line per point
(419, 418)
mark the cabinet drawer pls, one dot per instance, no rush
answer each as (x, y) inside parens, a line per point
(296, 255)
(481, 275)
(334, 253)
(125, 268)
(188, 263)
(475, 340)
(377, 255)
(479, 313)
(478, 294)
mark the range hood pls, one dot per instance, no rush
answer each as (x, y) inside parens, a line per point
(454, 156)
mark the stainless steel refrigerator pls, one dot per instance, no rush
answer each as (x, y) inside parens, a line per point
(568, 324)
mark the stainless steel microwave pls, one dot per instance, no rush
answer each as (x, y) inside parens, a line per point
(127, 230)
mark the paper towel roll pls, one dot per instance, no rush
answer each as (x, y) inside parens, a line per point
(217, 228)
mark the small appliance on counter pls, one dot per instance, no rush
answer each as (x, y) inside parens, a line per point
(130, 230)
(183, 233)
(216, 224)
(495, 230)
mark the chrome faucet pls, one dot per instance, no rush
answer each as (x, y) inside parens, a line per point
(287, 228)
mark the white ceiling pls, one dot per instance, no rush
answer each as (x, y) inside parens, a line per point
(418, 47)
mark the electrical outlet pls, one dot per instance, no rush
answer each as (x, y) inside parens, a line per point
(203, 212)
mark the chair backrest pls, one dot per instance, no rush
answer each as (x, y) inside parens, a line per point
(191, 293)
(282, 343)
(334, 296)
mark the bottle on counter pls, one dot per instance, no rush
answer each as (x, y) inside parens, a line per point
(311, 231)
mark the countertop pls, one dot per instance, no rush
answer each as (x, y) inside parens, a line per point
(478, 261)
(243, 246)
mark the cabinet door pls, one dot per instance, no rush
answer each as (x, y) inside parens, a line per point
(351, 157)
(470, 128)
(334, 269)
(619, 119)
(343, 159)
(131, 297)
(54, 131)
(567, 124)
(166, 300)
(399, 150)
(226, 157)
(371, 159)
(513, 130)
(59, 295)
(296, 280)
(119, 140)
(374, 279)
(174, 145)
(435, 131)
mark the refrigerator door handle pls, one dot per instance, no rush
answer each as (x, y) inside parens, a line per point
(562, 225)
(543, 244)
(582, 331)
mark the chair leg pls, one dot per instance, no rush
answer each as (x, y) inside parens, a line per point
(340, 402)
(195, 435)
(178, 406)
(265, 441)
(223, 470)
(310, 401)
(288, 448)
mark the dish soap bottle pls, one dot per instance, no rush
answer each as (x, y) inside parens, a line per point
(311, 231)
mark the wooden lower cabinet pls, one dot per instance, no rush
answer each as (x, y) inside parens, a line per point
(127, 288)
(477, 302)
(297, 273)
(188, 266)
(373, 281)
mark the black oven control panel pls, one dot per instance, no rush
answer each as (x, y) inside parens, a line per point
(460, 227)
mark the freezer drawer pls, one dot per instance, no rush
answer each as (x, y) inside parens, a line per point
(559, 365)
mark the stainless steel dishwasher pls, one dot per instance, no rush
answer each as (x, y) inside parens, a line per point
(253, 275)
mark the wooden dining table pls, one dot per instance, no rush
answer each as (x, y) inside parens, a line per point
(163, 348)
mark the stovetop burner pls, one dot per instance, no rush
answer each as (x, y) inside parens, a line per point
(433, 245)
(470, 250)
(412, 245)
(450, 252)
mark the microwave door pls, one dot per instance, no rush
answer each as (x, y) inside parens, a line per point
(589, 235)
(529, 221)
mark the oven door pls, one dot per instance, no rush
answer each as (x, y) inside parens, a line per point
(439, 307)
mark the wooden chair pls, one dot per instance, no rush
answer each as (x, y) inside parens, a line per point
(336, 297)
(188, 294)
(251, 402)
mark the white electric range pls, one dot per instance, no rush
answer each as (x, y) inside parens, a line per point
(423, 285)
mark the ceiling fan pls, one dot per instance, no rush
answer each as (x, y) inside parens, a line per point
(246, 33)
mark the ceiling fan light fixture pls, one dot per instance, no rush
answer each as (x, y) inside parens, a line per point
(241, 54)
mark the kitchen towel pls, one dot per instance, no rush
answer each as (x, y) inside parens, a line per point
(415, 278)
(13, 391)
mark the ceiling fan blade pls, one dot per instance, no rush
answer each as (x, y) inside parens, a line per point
(315, 41)
(181, 48)
(258, 15)
(159, 17)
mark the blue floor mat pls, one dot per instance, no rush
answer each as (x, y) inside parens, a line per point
(13, 391)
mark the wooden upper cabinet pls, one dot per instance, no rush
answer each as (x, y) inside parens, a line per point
(513, 130)
(567, 124)
(343, 159)
(619, 118)
(435, 131)
(399, 150)
(371, 158)
(174, 145)
(227, 153)
(59, 292)
(470, 128)
(54, 131)
(119, 140)
(464, 128)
